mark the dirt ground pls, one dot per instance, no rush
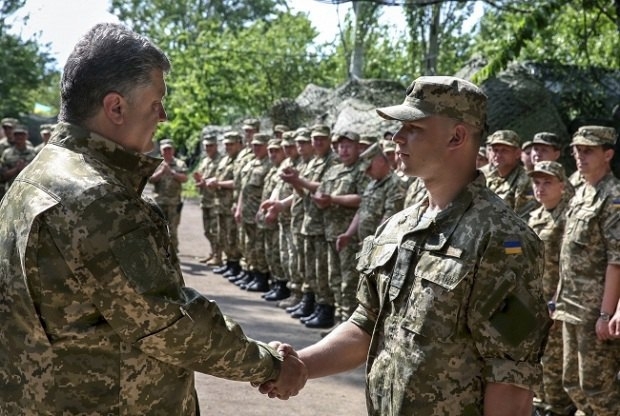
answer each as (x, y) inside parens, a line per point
(337, 395)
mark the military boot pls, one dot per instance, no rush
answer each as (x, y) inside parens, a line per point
(222, 269)
(259, 284)
(306, 306)
(292, 300)
(323, 319)
(314, 313)
(233, 269)
(272, 289)
(245, 280)
(215, 260)
(281, 292)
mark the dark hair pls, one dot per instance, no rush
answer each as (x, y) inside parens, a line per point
(108, 58)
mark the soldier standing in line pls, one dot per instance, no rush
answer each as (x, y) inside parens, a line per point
(46, 132)
(208, 200)
(526, 156)
(167, 180)
(482, 159)
(16, 157)
(250, 193)
(548, 220)
(313, 227)
(589, 287)
(366, 140)
(508, 179)
(223, 184)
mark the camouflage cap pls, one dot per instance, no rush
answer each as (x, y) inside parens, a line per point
(550, 139)
(261, 138)
(302, 138)
(251, 124)
(594, 136)
(526, 144)
(368, 139)
(9, 122)
(20, 128)
(320, 130)
(440, 95)
(163, 144)
(281, 128)
(482, 151)
(507, 137)
(209, 139)
(549, 168)
(46, 128)
(349, 135)
(303, 131)
(231, 137)
(371, 152)
(288, 142)
(335, 137)
(388, 146)
(274, 144)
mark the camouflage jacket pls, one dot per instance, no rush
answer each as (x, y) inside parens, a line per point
(380, 200)
(297, 206)
(252, 182)
(415, 192)
(549, 226)
(283, 190)
(442, 298)
(207, 168)
(241, 161)
(312, 224)
(225, 172)
(515, 189)
(167, 189)
(591, 241)
(96, 318)
(12, 155)
(271, 181)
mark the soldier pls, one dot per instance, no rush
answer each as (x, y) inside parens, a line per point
(590, 277)
(509, 179)
(312, 228)
(167, 180)
(445, 281)
(96, 318)
(250, 193)
(46, 132)
(279, 130)
(548, 181)
(526, 156)
(366, 140)
(223, 184)
(15, 158)
(482, 159)
(339, 196)
(208, 201)
(546, 146)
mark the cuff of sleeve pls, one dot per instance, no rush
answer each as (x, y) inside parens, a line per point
(523, 374)
(362, 318)
(270, 354)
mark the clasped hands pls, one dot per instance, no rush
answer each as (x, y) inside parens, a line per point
(292, 378)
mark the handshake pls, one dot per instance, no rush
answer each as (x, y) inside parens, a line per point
(292, 378)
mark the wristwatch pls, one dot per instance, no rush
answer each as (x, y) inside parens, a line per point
(604, 316)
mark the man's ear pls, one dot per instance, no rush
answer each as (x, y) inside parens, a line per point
(114, 107)
(459, 136)
(609, 154)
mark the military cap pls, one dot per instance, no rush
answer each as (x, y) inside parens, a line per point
(231, 137)
(549, 168)
(274, 144)
(443, 96)
(281, 128)
(349, 135)
(388, 146)
(594, 136)
(288, 135)
(302, 131)
(507, 137)
(20, 128)
(371, 152)
(261, 138)
(526, 144)
(166, 143)
(335, 137)
(302, 138)
(320, 130)
(482, 151)
(251, 124)
(550, 139)
(368, 139)
(9, 122)
(46, 128)
(209, 139)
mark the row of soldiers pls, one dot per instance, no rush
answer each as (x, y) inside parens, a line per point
(292, 207)
(16, 150)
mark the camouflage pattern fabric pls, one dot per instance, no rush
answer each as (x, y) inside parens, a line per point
(549, 226)
(415, 192)
(591, 241)
(167, 189)
(381, 199)
(226, 225)
(12, 155)
(271, 232)
(315, 257)
(312, 224)
(97, 318)
(515, 189)
(208, 168)
(442, 297)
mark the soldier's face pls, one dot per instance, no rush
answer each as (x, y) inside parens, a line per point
(290, 151)
(232, 148)
(276, 155)
(305, 149)
(19, 140)
(347, 151)
(210, 149)
(592, 160)
(504, 156)
(321, 145)
(547, 189)
(544, 152)
(260, 150)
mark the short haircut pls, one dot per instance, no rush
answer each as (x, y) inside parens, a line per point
(109, 58)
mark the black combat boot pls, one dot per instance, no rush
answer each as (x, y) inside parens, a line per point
(314, 313)
(292, 300)
(233, 269)
(245, 280)
(260, 283)
(272, 289)
(280, 292)
(306, 306)
(323, 319)
(222, 269)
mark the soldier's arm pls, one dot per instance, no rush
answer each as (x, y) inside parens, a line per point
(507, 400)
(349, 201)
(611, 294)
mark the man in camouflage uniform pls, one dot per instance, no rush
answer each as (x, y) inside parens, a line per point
(252, 181)
(590, 277)
(16, 157)
(526, 156)
(208, 201)
(223, 183)
(444, 282)
(313, 227)
(96, 318)
(167, 180)
(508, 179)
(548, 220)
(46, 132)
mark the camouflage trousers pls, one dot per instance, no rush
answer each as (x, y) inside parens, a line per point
(315, 251)
(211, 230)
(590, 370)
(287, 250)
(255, 248)
(228, 236)
(343, 278)
(172, 213)
(298, 262)
(553, 396)
(271, 241)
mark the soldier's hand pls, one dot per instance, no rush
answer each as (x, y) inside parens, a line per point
(614, 325)
(342, 241)
(292, 378)
(271, 216)
(602, 329)
(197, 176)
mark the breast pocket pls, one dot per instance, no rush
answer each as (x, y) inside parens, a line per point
(583, 225)
(436, 299)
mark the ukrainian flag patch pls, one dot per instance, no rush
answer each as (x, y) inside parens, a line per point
(512, 247)
(616, 203)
